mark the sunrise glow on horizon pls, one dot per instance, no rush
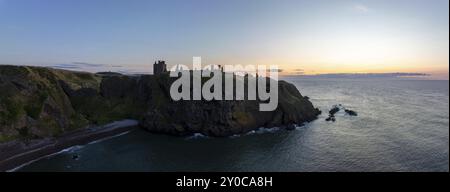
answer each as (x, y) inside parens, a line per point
(302, 37)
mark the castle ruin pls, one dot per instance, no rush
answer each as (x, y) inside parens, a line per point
(159, 67)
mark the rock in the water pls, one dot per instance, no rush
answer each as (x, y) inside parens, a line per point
(290, 127)
(330, 118)
(351, 112)
(319, 112)
(337, 108)
(334, 110)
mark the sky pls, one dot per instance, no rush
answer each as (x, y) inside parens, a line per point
(307, 36)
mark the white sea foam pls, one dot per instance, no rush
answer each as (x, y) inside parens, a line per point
(71, 149)
(197, 136)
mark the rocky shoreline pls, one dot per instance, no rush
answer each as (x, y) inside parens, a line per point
(16, 153)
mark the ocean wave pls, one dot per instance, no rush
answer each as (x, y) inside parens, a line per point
(107, 138)
(197, 136)
(68, 150)
(264, 130)
(260, 130)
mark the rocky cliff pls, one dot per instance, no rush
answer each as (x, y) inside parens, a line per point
(38, 102)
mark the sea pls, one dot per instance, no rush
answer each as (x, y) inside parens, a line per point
(402, 125)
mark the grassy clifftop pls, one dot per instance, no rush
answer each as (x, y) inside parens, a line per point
(39, 102)
(33, 103)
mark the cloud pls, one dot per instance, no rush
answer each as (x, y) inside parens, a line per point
(275, 70)
(361, 8)
(88, 64)
(82, 65)
(369, 75)
(298, 71)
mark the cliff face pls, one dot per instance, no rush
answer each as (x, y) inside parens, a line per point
(33, 103)
(41, 102)
(225, 118)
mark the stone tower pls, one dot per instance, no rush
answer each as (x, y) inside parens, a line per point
(159, 67)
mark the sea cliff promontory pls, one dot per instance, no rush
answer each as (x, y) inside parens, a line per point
(39, 102)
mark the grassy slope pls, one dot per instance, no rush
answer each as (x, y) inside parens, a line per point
(33, 103)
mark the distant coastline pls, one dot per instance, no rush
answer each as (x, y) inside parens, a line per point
(366, 75)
